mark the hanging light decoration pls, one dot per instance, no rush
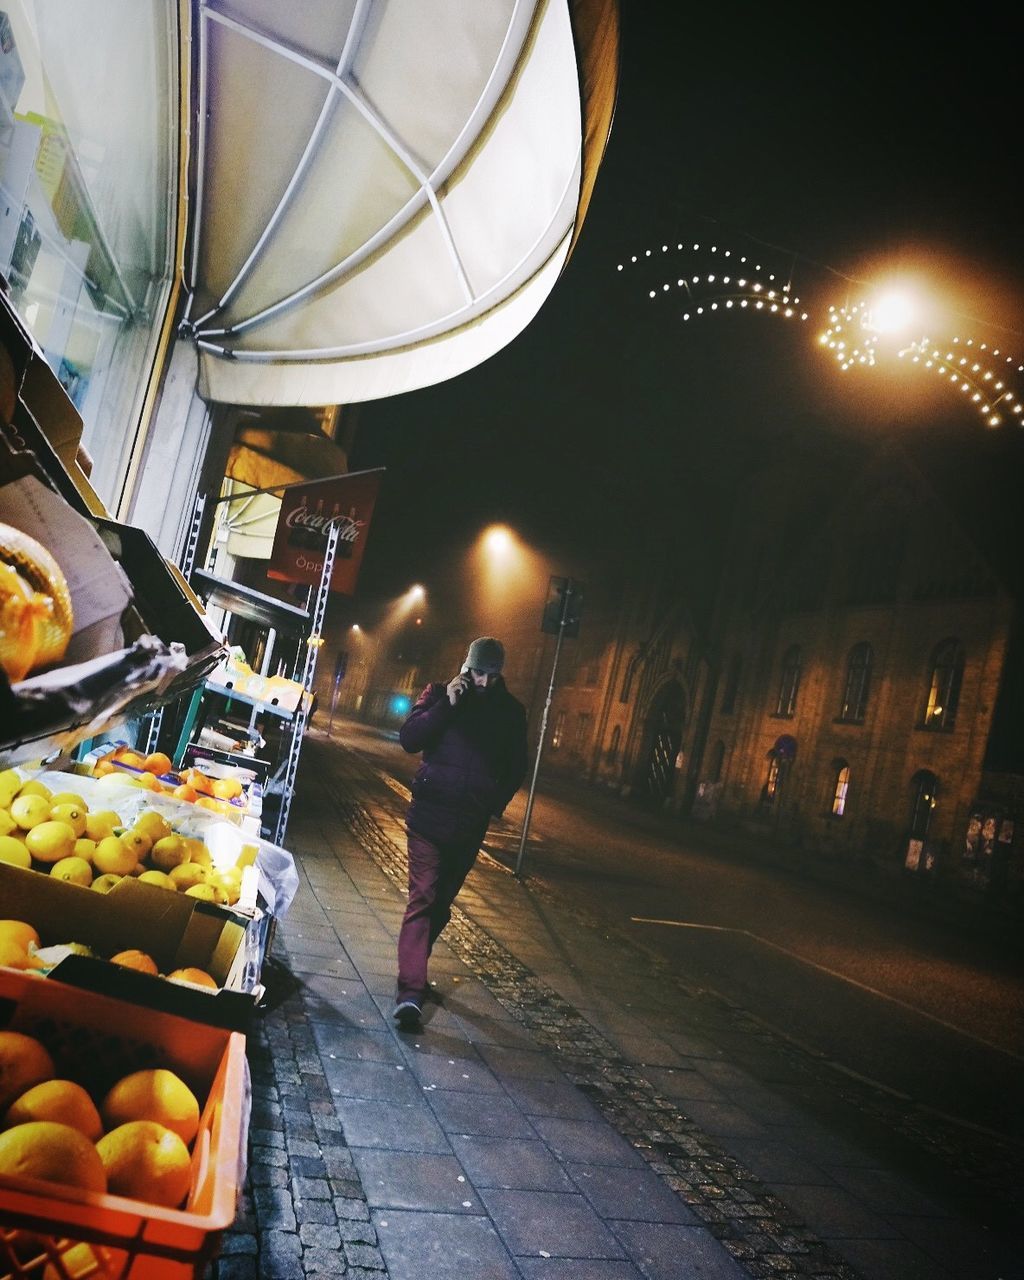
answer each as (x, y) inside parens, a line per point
(852, 332)
(741, 286)
(969, 369)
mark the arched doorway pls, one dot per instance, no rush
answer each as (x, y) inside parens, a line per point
(663, 736)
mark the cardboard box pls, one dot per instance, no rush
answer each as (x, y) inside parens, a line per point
(176, 930)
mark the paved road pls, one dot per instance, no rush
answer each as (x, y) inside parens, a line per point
(922, 1009)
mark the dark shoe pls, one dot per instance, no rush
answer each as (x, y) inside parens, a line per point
(407, 1014)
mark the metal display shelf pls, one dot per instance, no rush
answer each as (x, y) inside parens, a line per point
(277, 616)
(245, 602)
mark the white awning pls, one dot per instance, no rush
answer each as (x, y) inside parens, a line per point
(385, 191)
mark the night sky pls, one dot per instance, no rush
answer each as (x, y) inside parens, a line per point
(822, 154)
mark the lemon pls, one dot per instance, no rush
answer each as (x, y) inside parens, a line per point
(52, 1152)
(85, 849)
(170, 851)
(113, 857)
(50, 841)
(198, 852)
(7, 823)
(61, 1101)
(154, 824)
(69, 797)
(229, 886)
(14, 852)
(136, 840)
(29, 811)
(207, 892)
(73, 870)
(153, 1094)
(102, 823)
(105, 882)
(77, 1262)
(146, 1161)
(24, 1062)
(33, 788)
(188, 874)
(160, 878)
(72, 814)
(10, 785)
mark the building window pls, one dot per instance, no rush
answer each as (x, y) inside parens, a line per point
(773, 782)
(947, 673)
(924, 789)
(732, 685)
(789, 682)
(858, 682)
(558, 732)
(613, 746)
(840, 787)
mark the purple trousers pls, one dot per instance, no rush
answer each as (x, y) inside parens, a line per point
(436, 874)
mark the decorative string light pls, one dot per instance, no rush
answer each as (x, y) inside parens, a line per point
(970, 373)
(709, 291)
(851, 334)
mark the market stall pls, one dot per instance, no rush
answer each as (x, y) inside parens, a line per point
(136, 910)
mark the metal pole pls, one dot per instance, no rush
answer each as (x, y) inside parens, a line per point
(543, 731)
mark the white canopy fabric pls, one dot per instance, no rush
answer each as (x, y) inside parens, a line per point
(385, 190)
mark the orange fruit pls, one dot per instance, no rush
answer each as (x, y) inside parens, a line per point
(102, 767)
(147, 781)
(146, 1161)
(133, 959)
(14, 956)
(226, 788)
(131, 758)
(185, 792)
(157, 762)
(191, 974)
(52, 1152)
(198, 780)
(61, 1101)
(24, 1062)
(153, 1094)
(19, 931)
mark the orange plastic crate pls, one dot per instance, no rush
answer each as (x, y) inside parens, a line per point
(96, 1040)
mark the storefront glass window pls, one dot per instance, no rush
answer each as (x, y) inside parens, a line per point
(88, 190)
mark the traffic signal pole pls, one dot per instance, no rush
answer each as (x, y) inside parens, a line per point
(563, 618)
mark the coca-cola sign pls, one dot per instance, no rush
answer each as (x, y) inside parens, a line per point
(308, 511)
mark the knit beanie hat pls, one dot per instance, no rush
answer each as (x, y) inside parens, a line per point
(485, 654)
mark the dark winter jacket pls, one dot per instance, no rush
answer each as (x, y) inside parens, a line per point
(474, 760)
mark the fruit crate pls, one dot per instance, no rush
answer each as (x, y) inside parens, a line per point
(95, 1040)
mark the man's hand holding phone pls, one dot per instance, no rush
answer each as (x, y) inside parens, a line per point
(458, 686)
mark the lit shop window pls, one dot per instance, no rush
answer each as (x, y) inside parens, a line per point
(88, 194)
(558, 732)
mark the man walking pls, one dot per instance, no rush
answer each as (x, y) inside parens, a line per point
(472, 733)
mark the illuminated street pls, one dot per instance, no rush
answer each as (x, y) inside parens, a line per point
(921, 1008)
